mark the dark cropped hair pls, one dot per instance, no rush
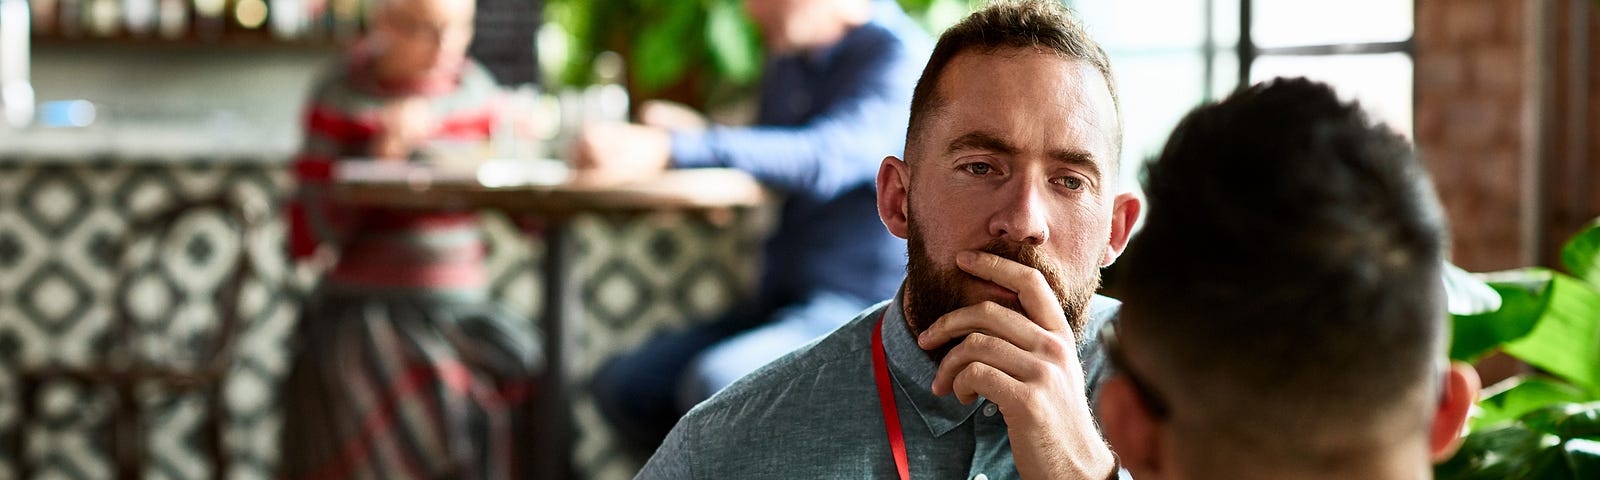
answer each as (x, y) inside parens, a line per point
(1287, 277)
(1044, 24)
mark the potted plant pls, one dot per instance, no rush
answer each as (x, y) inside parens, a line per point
(1546, 424)
(679, 49)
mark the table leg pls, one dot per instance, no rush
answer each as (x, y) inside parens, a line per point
(562, 312)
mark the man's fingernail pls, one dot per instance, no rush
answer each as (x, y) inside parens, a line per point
(966, 257)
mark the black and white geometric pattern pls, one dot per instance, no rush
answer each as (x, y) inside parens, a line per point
(640, 274)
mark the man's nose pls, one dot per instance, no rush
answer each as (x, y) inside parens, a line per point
(1022, 214)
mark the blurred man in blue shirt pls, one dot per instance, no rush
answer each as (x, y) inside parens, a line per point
(834, 102)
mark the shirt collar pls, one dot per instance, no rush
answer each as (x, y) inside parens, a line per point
(913, 372)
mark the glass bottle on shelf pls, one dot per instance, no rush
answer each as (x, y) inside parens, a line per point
(288, 18)
(139, 17)
(70, 21)
(45, 15)
(346, 18)
(104, 18)
(210, 19)
(173, 19)
(250, 14)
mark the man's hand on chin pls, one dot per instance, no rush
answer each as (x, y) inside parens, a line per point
(1028, 366)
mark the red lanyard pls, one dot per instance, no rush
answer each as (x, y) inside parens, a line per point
(891, 415)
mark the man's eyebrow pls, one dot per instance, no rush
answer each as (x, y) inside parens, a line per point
(981, 141)
(1078, 158)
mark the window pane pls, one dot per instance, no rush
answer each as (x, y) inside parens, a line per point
(1144, 24)
(1225, 23)
(1381, 82)
(1224, 74)
(1283, 23)
(1156, 91)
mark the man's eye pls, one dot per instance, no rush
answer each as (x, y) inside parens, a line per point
(1072, 183)
(977, 168)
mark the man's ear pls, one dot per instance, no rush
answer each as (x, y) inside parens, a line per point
(1134, 435)
(894, 177)
(1460, 391)
(1124, 212)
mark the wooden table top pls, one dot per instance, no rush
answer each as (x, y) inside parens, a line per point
(687, 189)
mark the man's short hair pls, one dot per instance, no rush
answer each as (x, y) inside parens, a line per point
(1286, 283)
(1042, 24)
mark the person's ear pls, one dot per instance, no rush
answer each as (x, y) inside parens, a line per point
(1134, 435)
(1124, 212)
(1460, 391)
(894, 177)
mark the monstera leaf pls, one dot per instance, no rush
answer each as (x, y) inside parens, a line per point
(1547, 425)
(1559, 442)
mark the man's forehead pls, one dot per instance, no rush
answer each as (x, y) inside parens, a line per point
(1073, 85)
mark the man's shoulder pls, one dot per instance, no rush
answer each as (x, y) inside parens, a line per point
(791, 418)
(834, 354)
(785, 406)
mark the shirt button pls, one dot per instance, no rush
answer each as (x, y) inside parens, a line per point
(980, 477)
(988, 411)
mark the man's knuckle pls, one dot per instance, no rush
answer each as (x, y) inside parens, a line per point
(1053, 348)
(1034, 369)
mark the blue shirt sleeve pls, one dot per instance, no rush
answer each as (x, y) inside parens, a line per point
(838, 148)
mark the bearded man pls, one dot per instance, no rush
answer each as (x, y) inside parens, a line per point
(979, 367)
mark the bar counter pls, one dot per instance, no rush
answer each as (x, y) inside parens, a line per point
(63, 203)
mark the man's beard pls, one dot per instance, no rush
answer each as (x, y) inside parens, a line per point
(932, 292)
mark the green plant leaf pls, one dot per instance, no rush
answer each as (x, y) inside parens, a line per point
(735, 47)
(1548, 463)
(1495, 454)
(1583, 424)
(1581, 254)
(941, 14)
(1566, 339)
(664, 47)
(577, 19)
(1466, 294)
(1583, 458)
(1526, 394)
(1565, 420)
(1522, 302)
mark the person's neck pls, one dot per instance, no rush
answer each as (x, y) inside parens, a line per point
(1391, 465)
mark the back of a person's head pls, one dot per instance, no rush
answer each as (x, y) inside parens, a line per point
(1285, 288)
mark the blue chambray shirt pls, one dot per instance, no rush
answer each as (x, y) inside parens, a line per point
(814, 414)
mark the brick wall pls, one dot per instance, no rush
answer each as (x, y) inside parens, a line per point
(1471, 122)
(1506, 98)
